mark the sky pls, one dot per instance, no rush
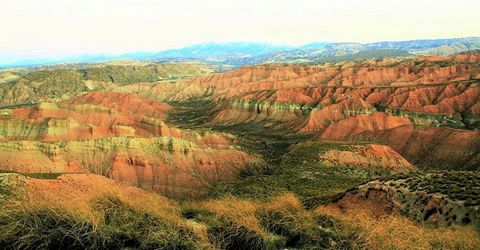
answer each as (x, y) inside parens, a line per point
(70, 27)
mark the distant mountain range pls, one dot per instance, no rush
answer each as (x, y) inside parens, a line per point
(245, 53)
(354, 51)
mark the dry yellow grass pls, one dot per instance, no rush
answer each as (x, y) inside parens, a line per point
(282, 222)
(97, 212)
(93, 212)
(284, 210)
(75, 193)
(234, 224)
(397, 232)
(285, 215)
(242, 212)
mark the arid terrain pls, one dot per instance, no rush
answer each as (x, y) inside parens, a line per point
(285, 152)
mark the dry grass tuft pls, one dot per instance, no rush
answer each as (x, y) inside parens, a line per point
(232, 224)
(235, 223)
(397, 232)
(91, 212)
(286, 216)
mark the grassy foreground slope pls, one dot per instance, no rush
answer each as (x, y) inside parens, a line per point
(72, 212)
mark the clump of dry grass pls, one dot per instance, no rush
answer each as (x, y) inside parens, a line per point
(397, 232)
(112, 217)
(232, 224)
(111, 222)
(235, 223)
(286, 216)
(47, 228)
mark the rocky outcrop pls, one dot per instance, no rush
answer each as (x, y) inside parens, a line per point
(318, 119)
(426, 109)
(369, 73)
(246, 111)
(354, 74)
(353, 126)
(438, 198)
(420, 122)
(453, 105)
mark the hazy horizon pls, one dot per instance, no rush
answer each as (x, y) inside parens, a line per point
(50, 28)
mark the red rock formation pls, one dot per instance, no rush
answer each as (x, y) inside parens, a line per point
(367, 73)
(436, 147)
(318, 119)
(351, 99)
(173, 167)
(353, 126)
(90, 116)
(122, 103)
(119, 135)
(366, 156)
(123, 135)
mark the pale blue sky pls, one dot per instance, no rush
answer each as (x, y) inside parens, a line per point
(59, 27)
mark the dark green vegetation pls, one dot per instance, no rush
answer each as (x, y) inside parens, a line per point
(145, 72)
(292, 166)
(11, 182)
(121, 74)
(300, 172)
(35, 175)
(193, 114)
(11, 186)
(457, 185)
